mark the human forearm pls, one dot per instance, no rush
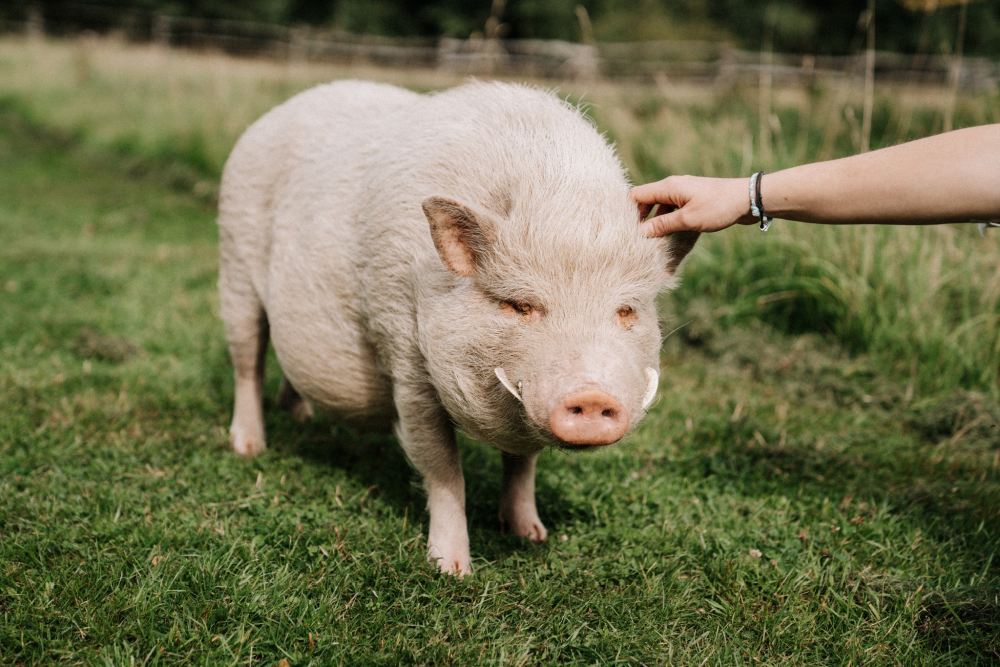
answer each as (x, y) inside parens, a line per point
(946, 178)
(950, 177)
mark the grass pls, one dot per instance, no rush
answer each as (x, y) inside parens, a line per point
(805, 490)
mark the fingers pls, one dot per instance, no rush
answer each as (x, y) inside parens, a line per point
(669, 195)
(691, 204)
(668, 223)
(666, 191)
(645, 195)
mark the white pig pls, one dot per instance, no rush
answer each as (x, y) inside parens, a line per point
(466, 259)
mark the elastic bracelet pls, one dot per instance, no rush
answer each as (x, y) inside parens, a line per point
(756, 203)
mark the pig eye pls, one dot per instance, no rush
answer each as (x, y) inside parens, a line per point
(521, 309)
(626, 317)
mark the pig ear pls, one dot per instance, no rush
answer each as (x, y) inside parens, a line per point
(676, 246)
(461, 234)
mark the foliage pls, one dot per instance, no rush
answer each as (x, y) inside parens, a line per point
(797, 26)
(925, 300)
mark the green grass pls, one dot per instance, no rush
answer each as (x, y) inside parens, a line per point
(800, 493)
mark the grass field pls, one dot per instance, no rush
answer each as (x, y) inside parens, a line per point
(819, 481)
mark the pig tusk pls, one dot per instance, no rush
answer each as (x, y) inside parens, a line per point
(502, 376)
(652, 383)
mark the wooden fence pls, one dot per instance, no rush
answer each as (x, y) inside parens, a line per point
(697, 61)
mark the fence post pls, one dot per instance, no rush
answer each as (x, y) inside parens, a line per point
(585, 63)
(35, 25)
(764, 85)
(161, 30)
(298, 44)
(866, 116)
(725, 75)
(955, 68)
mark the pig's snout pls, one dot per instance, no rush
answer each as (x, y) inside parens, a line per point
(588, 417)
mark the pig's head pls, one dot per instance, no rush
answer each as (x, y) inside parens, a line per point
(556, 306)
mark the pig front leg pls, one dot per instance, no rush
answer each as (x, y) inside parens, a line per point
(428, 438)
(518, 513)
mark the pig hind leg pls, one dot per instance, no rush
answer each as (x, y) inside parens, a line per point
(518, 512)
(290, 399)
(247, 335)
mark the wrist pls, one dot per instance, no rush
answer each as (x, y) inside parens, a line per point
(757, 209)
(736, 195)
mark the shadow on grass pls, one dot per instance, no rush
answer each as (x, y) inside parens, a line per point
(374, 458)
(949, 496)
(856, 434)
(952, 501)
(370, 454)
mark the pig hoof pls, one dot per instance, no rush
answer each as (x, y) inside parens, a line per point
(246, 445)
(530, 527)
(455, 568)
(302, 410)
(455, 565)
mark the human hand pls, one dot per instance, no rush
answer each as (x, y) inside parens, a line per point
(693, 204)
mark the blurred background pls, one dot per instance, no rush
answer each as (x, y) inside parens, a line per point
(703, 40)
(717, 87)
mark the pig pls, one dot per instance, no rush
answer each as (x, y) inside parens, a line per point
(462, 260)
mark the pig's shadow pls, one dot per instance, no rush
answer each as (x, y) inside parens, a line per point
(371, 454)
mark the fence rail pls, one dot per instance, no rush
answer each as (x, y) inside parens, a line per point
(701, 61)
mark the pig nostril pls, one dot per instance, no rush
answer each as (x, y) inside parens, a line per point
(588, 417)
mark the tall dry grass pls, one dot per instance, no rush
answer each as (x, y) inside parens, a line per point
(924, 300)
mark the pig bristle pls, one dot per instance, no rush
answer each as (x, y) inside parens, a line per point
(327, 245)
